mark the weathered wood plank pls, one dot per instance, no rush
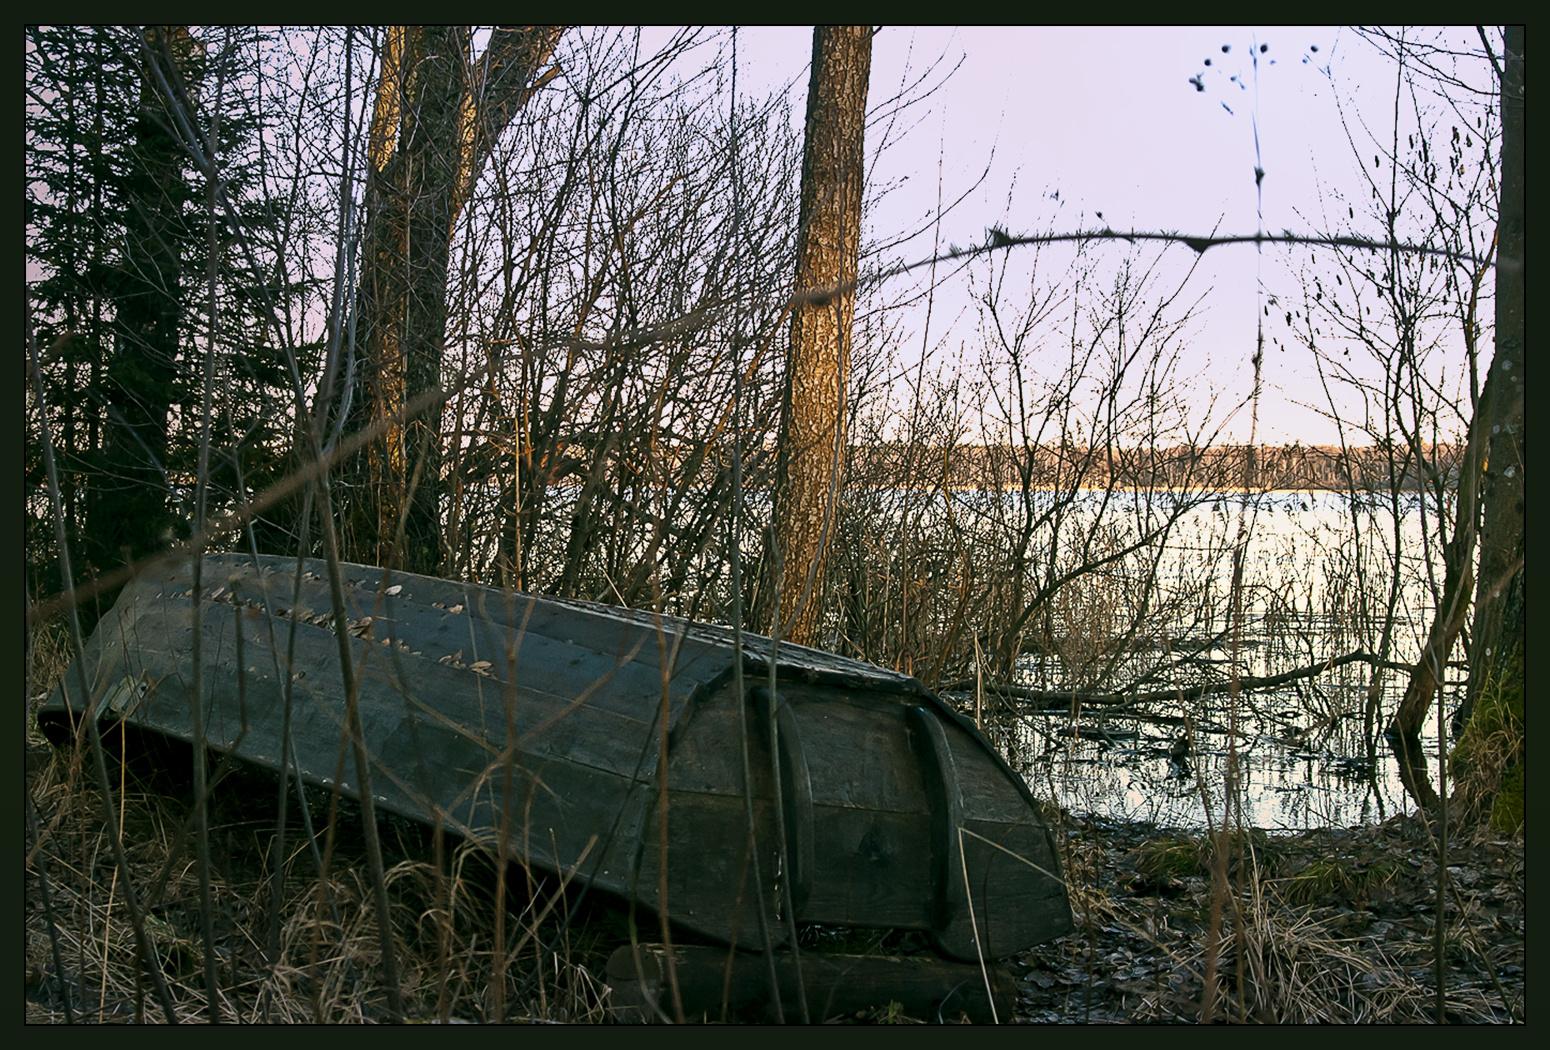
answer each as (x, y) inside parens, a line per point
(719, 984)
(516, 719)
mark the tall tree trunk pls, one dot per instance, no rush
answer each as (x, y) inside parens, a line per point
(129, 515)
(1496, 639)
(1491, 474)
(437, 116)
(811, 466)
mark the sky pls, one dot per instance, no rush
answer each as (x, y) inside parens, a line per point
(1135, 125)
(1078, 121)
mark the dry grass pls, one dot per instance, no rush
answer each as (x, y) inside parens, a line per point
(1333, 875)
(324, 963)
(1303, 947)
(1294, 971)
(1341, 939)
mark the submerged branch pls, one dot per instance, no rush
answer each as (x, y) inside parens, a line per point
(1051, 698)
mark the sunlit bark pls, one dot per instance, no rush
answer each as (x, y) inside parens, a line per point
(437, 115)
(812, 462)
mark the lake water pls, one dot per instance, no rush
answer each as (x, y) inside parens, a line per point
(1317, 580)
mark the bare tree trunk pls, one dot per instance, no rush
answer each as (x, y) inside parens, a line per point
(437, 115)
(812, 443)
(1404, 730)
(382, 286)
(1491, 474)
(1496, 646)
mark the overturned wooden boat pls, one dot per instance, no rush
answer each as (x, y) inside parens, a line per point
(545, 727)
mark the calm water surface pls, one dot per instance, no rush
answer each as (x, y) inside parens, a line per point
(1313, 590)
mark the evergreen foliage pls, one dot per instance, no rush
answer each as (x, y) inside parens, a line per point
(122, 255)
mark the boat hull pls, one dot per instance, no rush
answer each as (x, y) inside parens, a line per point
(547, 728)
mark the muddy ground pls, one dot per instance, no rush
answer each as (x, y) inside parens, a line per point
(1339, 926)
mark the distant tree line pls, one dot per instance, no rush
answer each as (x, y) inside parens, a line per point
(1364, 468)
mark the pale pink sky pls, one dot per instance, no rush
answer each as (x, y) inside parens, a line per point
(1109, 118)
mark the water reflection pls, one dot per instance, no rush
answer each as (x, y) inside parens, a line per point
(1323, 572)
(1125, 768)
